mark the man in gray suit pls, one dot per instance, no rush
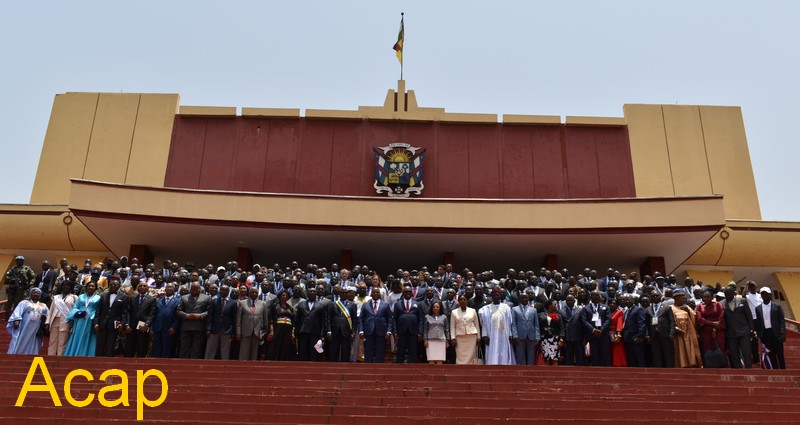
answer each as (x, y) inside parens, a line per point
(739, 328)
(193, 311)
(524, 330)
(252, 322)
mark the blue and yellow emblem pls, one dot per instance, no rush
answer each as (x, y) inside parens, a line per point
(398, 170)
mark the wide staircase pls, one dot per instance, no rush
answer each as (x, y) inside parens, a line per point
(203, 391)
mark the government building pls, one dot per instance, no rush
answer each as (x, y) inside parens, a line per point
(666, 188)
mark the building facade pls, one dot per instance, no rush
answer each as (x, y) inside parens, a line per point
(666, 188)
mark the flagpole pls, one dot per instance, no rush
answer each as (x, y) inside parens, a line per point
(404, 42)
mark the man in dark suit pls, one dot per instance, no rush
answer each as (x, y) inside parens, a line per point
(111, 317)
(418, 287)
(44, 281)
(193, 311)
(340, 329)
(310, 323)
(660, 330)
(634, 332)
(524, 330)
(142, 310)
(427, 302)
(596, 320)
(450, 303)
(575, 345)
(739, 328)
(375, 327)
(220, 325)
(771, 328)
(407, 327)
(165, 323)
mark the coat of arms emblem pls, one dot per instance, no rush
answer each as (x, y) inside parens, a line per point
(398, 170)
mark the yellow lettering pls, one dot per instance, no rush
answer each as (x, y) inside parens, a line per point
(122, 387)
(67, 388)
(141, 401)
(38, 362)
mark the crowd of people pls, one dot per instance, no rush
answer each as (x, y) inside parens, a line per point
(315, 313)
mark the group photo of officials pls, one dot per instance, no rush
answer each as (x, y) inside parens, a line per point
(437, 316)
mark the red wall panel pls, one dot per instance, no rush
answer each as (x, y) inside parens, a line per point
(484, 163)
(351, 171)
(616, 177)
(582, 168)
(186, 153)
(218, 150)
(549, 177)
(517, 163)
(452, 162)
(250, 156)
(335, 157)
(282, 149)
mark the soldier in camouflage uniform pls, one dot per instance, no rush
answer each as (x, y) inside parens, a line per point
(18, 280)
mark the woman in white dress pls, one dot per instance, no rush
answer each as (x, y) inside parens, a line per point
(464, 328)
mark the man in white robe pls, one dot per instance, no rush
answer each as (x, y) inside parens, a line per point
(495, 321)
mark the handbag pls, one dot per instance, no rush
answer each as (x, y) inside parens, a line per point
(479, 356)
(42, 331)
(715, 358)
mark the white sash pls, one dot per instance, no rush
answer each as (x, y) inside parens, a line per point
(62, 307)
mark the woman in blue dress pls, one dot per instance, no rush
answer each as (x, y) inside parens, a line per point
(82, 339)
(24, 323)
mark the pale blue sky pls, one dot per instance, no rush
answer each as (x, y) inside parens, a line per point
(524, 57)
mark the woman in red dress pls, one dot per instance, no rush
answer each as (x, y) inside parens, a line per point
(711, 322)
(618, 357)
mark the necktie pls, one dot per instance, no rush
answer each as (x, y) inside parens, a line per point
(408, 306)
(253, 304)
(221, 306)
(141, 297)
(375, 307)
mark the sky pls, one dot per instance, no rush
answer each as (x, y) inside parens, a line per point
(579, 58)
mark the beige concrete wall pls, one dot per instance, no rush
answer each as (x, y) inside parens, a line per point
(112, 137)
(693, 150)
(729, 160)
(752, 244)
(65, 145)
(382, 212)
(790, 283)
(147, 163)
(45, 228)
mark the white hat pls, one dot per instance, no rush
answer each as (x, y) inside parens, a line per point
(765, 289)
(220, 268)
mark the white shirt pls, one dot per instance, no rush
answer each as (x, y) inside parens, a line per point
(753, 301)
(766, 309)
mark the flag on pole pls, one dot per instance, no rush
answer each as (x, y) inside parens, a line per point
(398, 47)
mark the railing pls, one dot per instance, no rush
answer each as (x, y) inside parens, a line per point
(793, 325)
